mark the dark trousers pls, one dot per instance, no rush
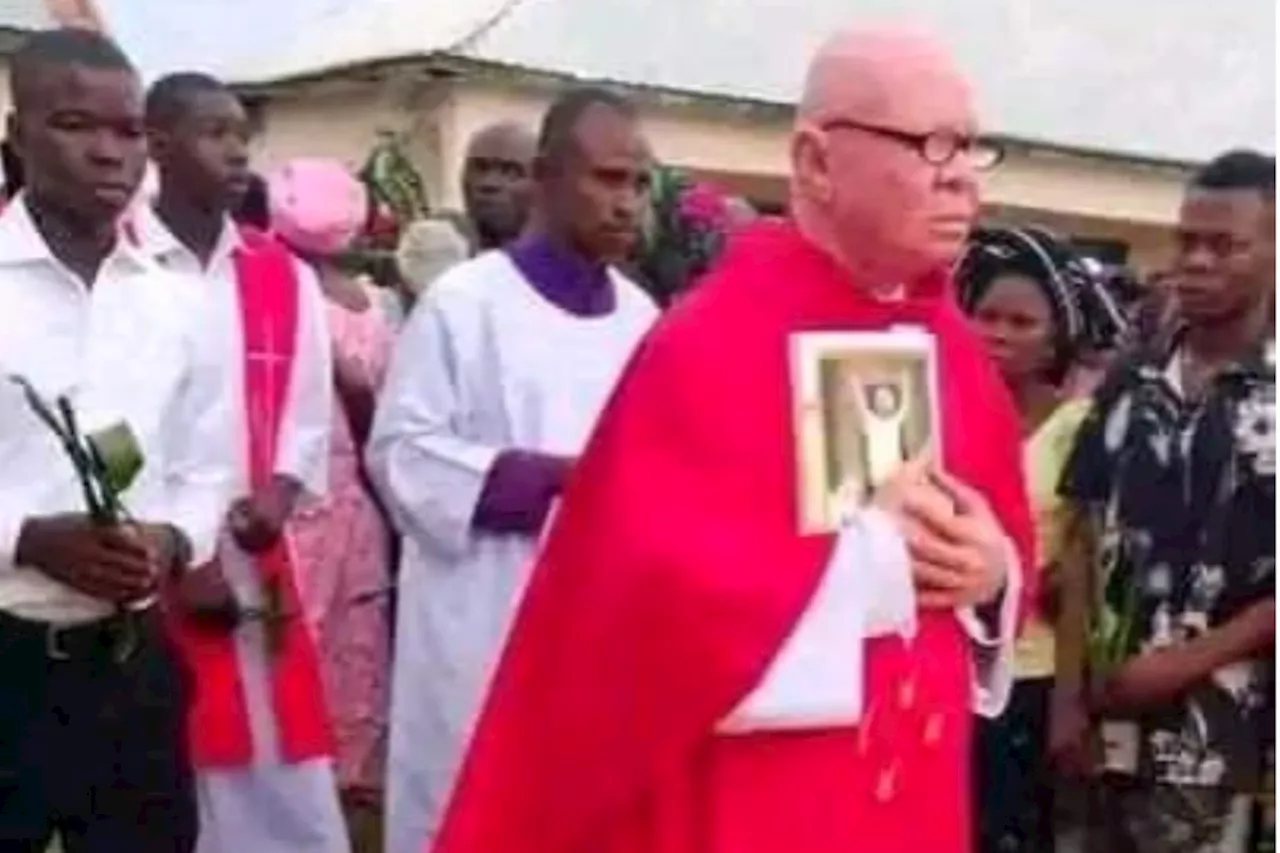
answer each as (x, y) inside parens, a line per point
(93, 740)
(1013, 785)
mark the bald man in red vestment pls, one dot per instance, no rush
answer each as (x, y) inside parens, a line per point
(689, 671)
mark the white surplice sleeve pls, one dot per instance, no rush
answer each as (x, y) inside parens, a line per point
(993, 651)
(429, 475)
(198, 435)
(816, 680)
(303, 449)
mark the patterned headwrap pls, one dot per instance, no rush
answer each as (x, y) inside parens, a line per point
(1085, 314)
(317, 206)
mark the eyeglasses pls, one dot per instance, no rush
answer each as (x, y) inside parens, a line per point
(937, 148)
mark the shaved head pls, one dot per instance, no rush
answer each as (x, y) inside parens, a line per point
(507, 136)
(497, 181)
(865, 186)
(865, 72)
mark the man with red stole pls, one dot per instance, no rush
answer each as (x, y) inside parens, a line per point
(689, 673)
(259, 730)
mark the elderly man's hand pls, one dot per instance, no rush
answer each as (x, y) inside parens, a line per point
(956, 544)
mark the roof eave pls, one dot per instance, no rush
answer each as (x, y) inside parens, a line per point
(369, 68)
(11, 39)
(444, 65)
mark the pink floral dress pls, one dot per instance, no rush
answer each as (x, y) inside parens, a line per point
(343, 553)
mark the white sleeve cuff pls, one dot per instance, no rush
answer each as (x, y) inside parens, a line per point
(992, 659)
(816, 679)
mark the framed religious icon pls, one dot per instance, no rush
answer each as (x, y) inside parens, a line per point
(865, 402)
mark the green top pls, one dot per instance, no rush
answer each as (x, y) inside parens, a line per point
(1044, 454)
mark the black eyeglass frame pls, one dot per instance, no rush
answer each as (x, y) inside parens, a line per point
(937, 147)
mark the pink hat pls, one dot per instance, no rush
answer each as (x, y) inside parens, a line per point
(316, 205)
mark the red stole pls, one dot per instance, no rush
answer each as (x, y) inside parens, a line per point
(218, 722)
(674, 573)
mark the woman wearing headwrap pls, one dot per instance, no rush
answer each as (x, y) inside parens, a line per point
(342, 546)
(1038, 307)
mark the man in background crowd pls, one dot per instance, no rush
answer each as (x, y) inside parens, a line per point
(1174, 470)
(496, 183)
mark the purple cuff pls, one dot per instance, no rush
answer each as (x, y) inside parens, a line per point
(519, 491)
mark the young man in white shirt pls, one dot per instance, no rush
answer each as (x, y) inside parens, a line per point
(92, 703)
(261, 740)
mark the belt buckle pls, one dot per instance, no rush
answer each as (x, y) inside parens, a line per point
(124, 640)
(52, 643)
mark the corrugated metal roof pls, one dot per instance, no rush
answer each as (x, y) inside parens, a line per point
(1178, 79)
(343, 33)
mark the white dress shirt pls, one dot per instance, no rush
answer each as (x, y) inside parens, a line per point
(134, 347)
(303, 445)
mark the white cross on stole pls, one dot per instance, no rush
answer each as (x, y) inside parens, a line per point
(263, 413)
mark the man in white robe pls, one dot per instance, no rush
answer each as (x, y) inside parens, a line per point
(491, 395)
(261, 744)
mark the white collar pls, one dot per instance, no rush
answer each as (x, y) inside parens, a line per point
(159, 241)
(22, 243)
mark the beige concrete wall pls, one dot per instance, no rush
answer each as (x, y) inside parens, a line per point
(1150, 246)
(342, 125)
(343, 122)
(688, 137)
(5, 101)
(1083, 196)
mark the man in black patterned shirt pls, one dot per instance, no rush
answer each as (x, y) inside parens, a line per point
(1175, 471)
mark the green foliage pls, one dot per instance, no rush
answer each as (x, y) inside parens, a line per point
(684, 235)
(392, 180)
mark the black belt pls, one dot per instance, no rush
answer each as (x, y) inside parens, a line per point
(116, 636)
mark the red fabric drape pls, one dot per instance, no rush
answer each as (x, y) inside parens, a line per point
(672, 576)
